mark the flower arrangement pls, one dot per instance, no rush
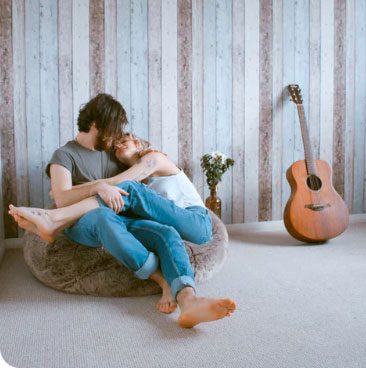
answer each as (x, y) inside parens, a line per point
(214, 165)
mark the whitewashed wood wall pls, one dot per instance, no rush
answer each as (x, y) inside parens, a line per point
(195, 76)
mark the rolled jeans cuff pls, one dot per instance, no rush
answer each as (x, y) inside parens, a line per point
(179, 283)
(149, 267)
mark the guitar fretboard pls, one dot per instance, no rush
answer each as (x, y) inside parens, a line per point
(309, 157)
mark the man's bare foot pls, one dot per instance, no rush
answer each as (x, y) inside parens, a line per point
(167, 303)
(44, 225)
(195, 310)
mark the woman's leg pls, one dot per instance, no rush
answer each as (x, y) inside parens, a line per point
(46, 223)
(193, 224)
(165, 241)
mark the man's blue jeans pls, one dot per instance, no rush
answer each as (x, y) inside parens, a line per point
(149, 228)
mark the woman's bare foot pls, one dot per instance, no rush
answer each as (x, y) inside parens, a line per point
(195, 310)
(166, 304)
(44, 224)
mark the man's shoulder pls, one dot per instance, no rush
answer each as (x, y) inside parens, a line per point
(68, 147)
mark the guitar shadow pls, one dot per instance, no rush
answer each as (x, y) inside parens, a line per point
(269, 238)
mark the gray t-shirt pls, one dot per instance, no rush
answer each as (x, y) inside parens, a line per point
(84, 164)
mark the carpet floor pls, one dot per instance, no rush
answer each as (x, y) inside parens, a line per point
(298, 306)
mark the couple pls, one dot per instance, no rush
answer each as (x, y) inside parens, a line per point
(111, 189)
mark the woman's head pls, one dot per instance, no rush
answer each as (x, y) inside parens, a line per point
(129, 147)
(109, 118)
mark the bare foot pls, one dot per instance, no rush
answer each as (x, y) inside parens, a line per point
(199, 309)
(25, 224)
(167, 303)
(44, 226)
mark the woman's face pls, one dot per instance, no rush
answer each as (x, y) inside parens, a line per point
(126, 149)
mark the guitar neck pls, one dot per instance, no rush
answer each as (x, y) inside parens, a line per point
(309, 157)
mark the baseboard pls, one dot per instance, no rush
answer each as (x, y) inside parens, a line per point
(14, 243)
(2, 249)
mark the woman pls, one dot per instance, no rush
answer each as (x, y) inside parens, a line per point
(168, 197)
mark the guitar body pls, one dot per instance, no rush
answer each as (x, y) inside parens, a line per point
(314, 216)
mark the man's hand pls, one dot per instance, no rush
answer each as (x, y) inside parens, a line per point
(111, 195)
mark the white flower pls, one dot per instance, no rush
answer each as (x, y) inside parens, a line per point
(219, 154)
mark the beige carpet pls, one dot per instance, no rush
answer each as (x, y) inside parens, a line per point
(299, 306)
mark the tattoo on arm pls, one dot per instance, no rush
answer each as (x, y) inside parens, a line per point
(149, 163)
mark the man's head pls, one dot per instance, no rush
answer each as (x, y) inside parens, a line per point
(108, 116)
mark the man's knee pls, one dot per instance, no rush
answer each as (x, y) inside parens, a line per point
(99, 215)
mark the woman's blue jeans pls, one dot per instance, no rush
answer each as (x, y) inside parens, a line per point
(149, 228)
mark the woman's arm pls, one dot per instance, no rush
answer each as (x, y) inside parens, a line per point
(146, 166)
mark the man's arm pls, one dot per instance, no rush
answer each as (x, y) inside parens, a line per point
(65, 194)
(146, 166)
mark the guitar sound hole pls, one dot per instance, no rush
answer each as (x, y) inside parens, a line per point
(313, 182)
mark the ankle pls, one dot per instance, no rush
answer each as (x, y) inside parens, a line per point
(185, 295)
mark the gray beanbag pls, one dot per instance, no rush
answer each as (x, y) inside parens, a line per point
(77, 269)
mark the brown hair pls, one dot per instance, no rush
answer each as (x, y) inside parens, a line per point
(108, 114)
(144, 144)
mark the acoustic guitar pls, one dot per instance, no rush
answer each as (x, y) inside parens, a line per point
(315, 212)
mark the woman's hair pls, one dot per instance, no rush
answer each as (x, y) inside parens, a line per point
(144, 144)
(108, 114)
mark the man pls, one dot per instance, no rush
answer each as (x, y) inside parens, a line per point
(137, 243)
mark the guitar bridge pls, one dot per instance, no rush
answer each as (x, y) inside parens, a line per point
(317, 206)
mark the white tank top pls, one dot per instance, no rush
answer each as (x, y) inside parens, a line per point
(177, 188)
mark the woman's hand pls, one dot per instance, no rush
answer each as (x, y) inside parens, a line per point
(111, 195)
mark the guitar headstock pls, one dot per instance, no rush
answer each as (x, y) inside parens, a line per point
(295, 93)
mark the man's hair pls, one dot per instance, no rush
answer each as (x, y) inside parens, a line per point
(107, 113)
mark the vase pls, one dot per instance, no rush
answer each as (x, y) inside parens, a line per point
(213, 202)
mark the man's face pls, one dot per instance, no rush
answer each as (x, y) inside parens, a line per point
(104, 143)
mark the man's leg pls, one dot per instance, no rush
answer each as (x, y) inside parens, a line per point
(166, 243)
(192, 224)
(102, 226)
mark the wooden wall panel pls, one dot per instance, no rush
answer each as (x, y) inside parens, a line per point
(194, 77)
(185, 86)
(339, 111)
(139, 69)
(209, 80)
(33, 103)
(80, 50)
(224, 79)
(124, 55)
(19, 98)
(350, 105)
(251, 118)
(197, 95)
(238, 111)
(169, 98)
(97, 52)
(360, 107)
(112, 57)
(277, 96)
(265, 112)
(154, 44)
(7, 117)
(50, 132)
(65, 71)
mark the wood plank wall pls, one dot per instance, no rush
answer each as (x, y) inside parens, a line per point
(195, 77)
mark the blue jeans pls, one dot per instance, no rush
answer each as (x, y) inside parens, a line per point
(149, 228)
